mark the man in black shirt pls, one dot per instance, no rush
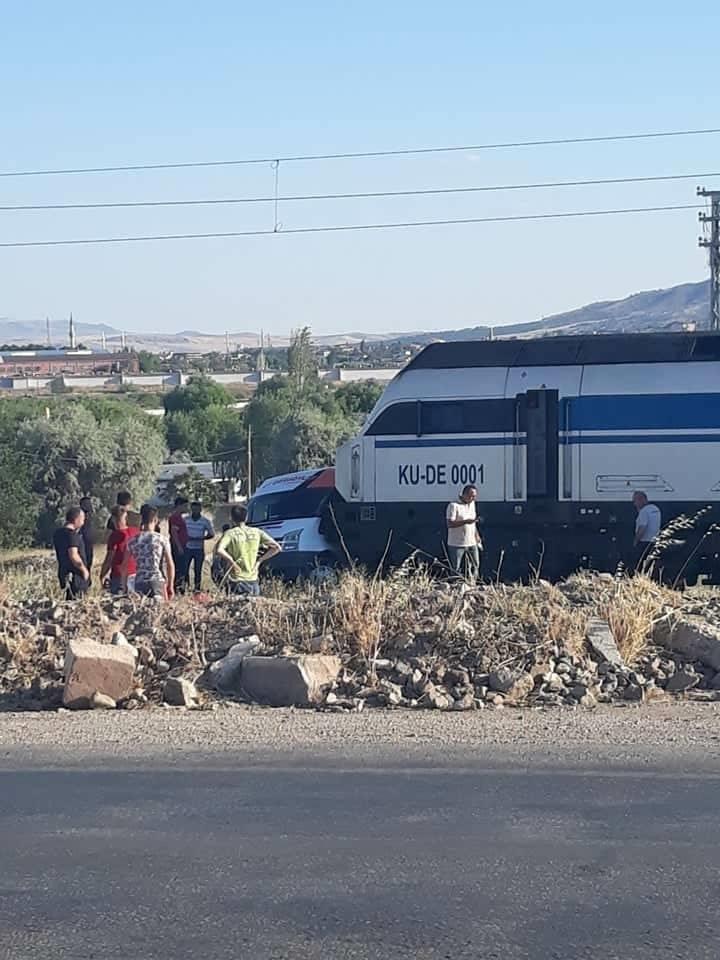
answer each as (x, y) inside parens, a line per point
(86, 532)
(73, 572)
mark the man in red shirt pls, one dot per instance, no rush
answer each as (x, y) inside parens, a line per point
(120, 535)
(178, 542)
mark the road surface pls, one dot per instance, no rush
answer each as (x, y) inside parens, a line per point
(292, 856)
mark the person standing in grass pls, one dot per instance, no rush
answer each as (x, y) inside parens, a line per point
(647, 527)
(120, 536)
(123, 499)
(463, 539)
(199, 529)
(73, 572)
(178, 542)
(86, 532)
(243, 549)
(155, 570)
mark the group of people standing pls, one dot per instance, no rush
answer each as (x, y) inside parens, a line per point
(140, 559)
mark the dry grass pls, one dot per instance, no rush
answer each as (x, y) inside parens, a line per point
(28, 575)
(406, 614)
(629, 605)
(631, 610)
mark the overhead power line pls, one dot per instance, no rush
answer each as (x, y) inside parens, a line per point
(361, 155)
(339, 228)
(379, 194)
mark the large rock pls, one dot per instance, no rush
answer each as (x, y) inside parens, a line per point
(602, 642)
(224, 674)
(97, 668)
(695, 639)
(289, 681)
(682, 680)
(516, 684)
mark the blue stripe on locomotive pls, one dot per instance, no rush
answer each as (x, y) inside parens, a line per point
(680, 411)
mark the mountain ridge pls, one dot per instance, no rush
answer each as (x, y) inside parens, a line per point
(670, 308)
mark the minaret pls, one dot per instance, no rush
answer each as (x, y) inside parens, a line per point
(47, 331)
(227, 343)
(260, 363)
(123, 342)
(71, 333)
(103, 341)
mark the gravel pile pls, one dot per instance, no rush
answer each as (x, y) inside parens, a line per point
(406, 642)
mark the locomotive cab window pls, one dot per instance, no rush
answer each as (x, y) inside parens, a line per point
(400, 419)
(467, 416)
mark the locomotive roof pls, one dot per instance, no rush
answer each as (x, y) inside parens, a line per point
(567, 351)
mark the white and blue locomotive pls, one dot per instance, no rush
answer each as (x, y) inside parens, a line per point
(556, 434)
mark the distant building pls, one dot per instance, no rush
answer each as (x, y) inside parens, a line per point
(28, 363)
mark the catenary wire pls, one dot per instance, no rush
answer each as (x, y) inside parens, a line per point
(339, 228)
(374, 195)
(361, 155)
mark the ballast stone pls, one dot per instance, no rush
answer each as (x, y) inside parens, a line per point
(299, 680)
(92, 668)
(180, 692)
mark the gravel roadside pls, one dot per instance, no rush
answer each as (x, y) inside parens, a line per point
(681, 736)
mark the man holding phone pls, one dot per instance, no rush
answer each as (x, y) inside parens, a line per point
(463, 540)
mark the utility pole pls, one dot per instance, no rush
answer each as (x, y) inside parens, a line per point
(713, 245)
(249, 462)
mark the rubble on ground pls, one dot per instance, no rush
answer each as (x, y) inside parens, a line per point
(405, 642)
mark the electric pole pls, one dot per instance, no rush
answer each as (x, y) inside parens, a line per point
(249, 461)
(713, 245)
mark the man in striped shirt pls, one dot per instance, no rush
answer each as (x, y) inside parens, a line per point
(199, 529)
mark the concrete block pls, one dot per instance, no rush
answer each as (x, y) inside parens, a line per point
(92, 667)
(288, 681)
(602, 642)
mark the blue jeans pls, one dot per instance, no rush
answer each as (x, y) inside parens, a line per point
(181, 569)
(243, 588)
(195, 558)
(465, 561)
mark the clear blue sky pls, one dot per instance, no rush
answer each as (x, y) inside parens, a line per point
(87, 84)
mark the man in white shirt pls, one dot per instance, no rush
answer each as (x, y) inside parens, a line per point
(463, 540)
(647, 525)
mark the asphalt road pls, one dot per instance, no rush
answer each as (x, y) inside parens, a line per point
(306, 858)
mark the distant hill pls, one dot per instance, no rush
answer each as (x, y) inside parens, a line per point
(668, 309)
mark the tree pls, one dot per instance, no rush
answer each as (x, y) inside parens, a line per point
(204, 432)
(302, 365)
(358, 398)
(292, 430)
(149, 362)
(201, 392)
(19, 506)
(82, 453)
(308, 438)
